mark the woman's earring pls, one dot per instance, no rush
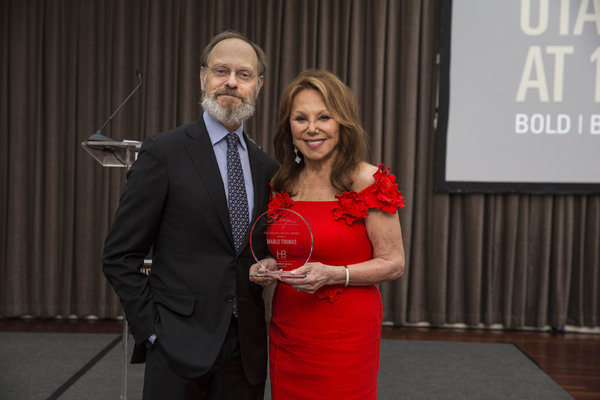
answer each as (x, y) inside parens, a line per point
(297, 159)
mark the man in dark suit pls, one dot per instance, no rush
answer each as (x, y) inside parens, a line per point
(197, 320)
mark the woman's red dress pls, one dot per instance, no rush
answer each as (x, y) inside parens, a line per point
(326, 345)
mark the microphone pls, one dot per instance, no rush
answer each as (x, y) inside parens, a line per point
(98, 136)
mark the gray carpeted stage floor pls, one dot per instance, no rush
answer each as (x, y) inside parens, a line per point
(89, 366)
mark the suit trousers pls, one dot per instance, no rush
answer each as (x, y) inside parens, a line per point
(225, 380)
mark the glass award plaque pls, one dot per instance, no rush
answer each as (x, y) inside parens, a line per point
(288, 238)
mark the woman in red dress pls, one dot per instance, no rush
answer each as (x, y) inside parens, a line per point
(325, 328)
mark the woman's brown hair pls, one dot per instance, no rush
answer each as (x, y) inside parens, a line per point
(342, 105)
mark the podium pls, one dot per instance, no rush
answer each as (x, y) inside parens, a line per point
(110, 153)
(113, 153)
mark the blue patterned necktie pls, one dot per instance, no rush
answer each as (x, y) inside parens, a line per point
(237, 201)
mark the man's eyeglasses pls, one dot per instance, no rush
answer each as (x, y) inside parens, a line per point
(242, 75)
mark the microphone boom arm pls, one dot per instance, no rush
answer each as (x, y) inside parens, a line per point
(98, 136)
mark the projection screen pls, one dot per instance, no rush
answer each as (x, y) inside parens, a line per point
(519, 98)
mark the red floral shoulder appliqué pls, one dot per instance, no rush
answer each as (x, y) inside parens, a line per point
(280, 200)
(383, 195)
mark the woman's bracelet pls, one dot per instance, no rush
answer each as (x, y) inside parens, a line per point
(347, 276)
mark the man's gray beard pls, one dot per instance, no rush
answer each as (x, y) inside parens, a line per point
(228, 116)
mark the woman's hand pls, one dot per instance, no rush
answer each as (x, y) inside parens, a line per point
(265, 265)
(317, 276)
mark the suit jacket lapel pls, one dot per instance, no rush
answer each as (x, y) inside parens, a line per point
(258, 174)
(202, 154)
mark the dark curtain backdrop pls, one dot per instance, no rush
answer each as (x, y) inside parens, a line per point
(474, 259)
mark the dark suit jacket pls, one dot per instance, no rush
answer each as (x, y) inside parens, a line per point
(174, 202)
